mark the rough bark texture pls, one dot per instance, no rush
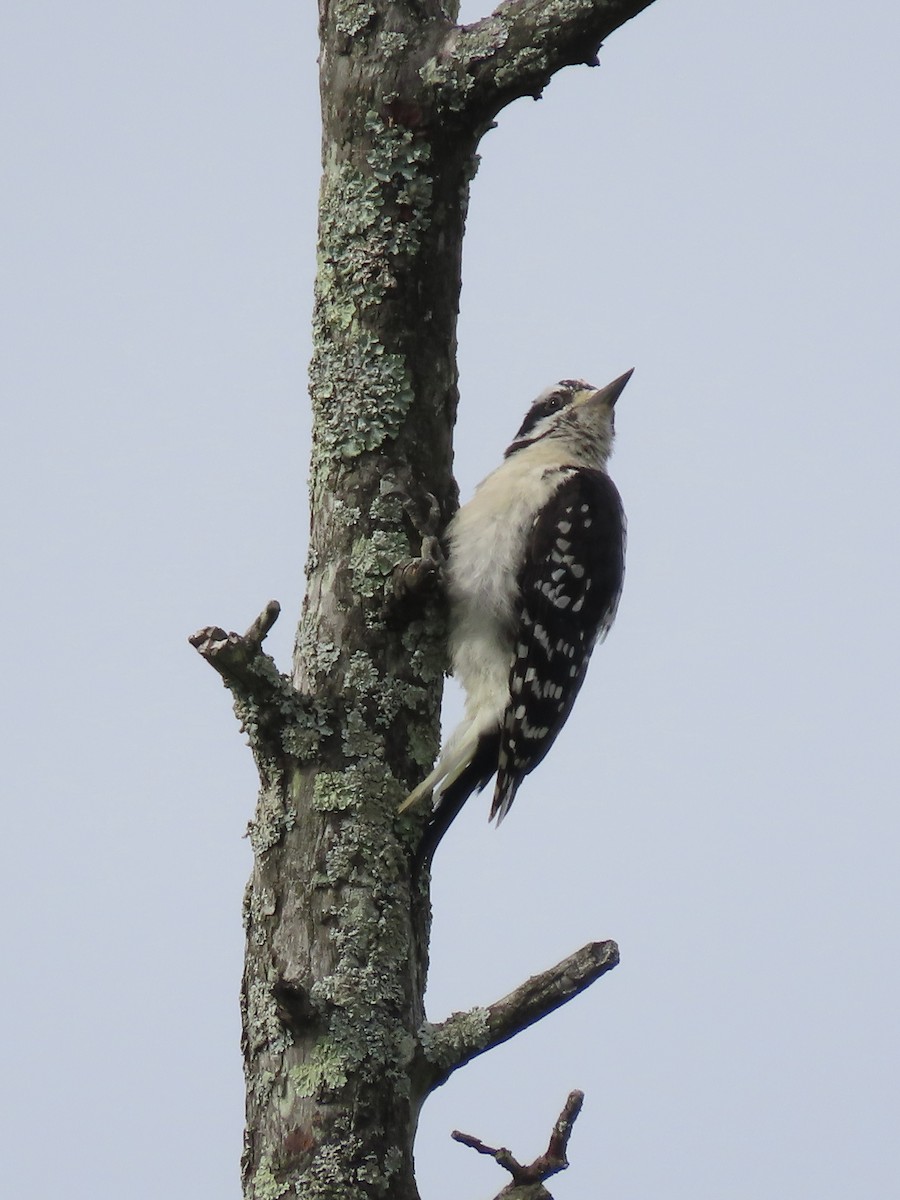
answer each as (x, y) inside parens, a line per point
(337, 1052)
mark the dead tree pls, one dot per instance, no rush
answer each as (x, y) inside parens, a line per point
(339, 1056)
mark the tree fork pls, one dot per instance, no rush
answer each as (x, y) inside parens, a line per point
(528, 1180)
(336, 911)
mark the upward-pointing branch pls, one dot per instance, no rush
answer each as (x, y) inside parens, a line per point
(528, 1181)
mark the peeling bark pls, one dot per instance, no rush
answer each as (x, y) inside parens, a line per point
(338, 1056)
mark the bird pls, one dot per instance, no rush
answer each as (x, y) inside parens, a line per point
(534, 572)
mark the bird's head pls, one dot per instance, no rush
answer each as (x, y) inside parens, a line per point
(576, 413)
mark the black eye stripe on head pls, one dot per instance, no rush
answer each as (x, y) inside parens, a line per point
(559, 398)
(539, 410)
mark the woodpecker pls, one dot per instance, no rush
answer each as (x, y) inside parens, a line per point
(534, 572)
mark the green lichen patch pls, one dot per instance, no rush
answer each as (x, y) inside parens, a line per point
(442, 1044)
(262, 1086)
(351, 17)
(260, 904)
(331, 792)
(264, 1184)
(427, 653)
(361, 677)
(359, 741)
(401, 157)
(273, 817)
(449, 76)
(423, 744)
(324, 1073)
(369, 780)
(264, 1029)
(373, 558)
(345, 515)
(361, 395)
(392, 43)
(319, 657)
(332, 1173)
(372, 215)
(396, 696)
(378, 1171)
(303, 736)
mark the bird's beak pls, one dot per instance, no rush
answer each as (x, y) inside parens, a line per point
(606, 395)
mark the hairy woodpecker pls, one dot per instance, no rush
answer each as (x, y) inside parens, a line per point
(534, 574)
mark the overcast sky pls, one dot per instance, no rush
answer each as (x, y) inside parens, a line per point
(716, 206)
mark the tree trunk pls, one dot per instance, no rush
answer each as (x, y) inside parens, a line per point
(338, 1055)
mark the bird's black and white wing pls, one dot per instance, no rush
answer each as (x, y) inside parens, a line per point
(569, 587)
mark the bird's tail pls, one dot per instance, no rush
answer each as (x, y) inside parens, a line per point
(452, 763)
(508, 780)
(502, 801)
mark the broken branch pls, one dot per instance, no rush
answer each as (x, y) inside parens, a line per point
(253, 678)
(463, 1036)
(234, 656)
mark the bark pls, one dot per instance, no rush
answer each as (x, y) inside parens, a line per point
(338, 1055)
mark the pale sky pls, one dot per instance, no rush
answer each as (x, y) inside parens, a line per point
(716, 206)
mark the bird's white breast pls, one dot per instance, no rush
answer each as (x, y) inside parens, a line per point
(487, 540)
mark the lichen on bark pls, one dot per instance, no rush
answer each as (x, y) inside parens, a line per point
(373, 209)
